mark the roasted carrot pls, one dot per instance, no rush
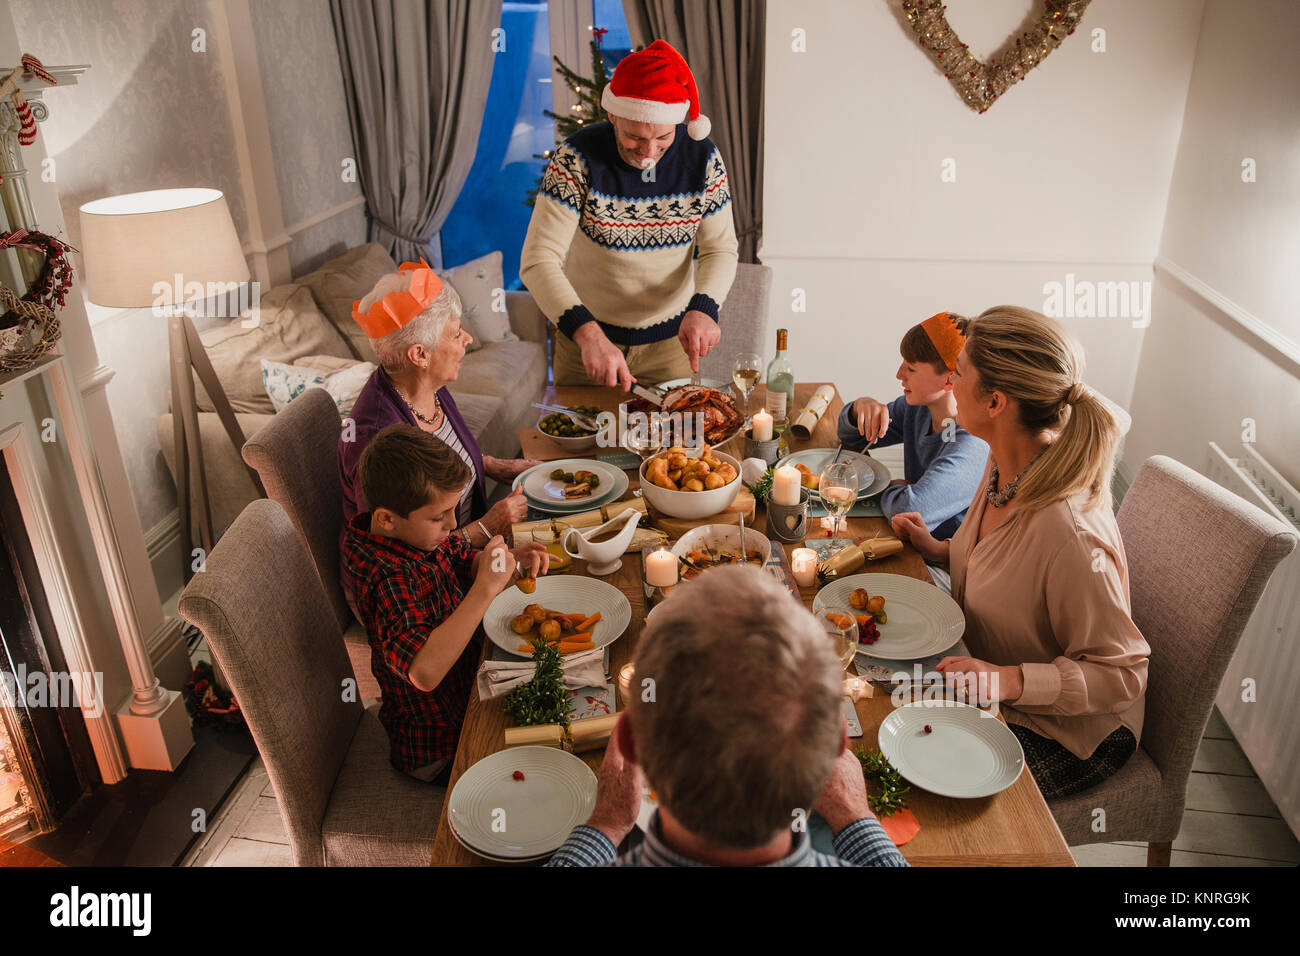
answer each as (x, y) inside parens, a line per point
(589, 622)
(575, 638)
(569, 648)
(863, 619)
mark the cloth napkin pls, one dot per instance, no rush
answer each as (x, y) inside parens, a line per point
(498, 678)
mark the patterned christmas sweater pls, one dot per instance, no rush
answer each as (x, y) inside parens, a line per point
(609, 244)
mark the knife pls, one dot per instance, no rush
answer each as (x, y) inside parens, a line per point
(654, 396)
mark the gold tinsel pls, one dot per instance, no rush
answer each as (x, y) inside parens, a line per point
(981, 83)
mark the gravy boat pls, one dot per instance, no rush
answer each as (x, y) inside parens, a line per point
(602, 557)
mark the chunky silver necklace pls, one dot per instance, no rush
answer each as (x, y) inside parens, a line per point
(999, 499)
(431, 422)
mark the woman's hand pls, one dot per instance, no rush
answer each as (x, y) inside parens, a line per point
(979, 682)
(507, 469)
(510, 510)
(533, 559)
(911, 529)
(872, 418)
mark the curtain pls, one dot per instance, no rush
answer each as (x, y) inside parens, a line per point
(415, 77)
(723, 42)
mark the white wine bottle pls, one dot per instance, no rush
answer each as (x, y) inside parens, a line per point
(780, 385)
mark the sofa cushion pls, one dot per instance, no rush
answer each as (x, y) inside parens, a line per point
(480, 285)
(342, 281)
(289, 325)
(284, 383)
(513, 371)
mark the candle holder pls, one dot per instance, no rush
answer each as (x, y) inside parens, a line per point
(788, 523)
(626, 675)
(768, 451)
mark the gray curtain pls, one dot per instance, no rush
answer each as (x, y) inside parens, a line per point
(415, 76)
(723, 42)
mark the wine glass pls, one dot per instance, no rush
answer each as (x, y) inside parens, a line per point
(838, 488)
(841, 626)
(643, 436)
(746, 370)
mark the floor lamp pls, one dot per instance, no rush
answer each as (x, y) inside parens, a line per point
(161, 250)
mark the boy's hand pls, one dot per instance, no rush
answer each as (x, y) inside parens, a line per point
(496, 566)
(533, 559)
(872, 418)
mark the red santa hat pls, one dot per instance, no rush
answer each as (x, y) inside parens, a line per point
(655, 85)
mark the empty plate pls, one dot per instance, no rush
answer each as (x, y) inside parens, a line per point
(502, 818)
(968, 752)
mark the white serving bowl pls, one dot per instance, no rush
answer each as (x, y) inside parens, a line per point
(571, 444)
(692, 504)
(722, 537)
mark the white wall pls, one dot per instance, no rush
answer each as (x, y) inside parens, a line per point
(1068, 172)
(1202, 373)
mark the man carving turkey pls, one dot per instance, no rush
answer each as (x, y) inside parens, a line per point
(623, 208)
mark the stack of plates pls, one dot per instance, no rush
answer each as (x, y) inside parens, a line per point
(547, 495)
(499, 817)
(873, 477)
(966, 752)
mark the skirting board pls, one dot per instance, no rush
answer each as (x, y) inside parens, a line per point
(163, 543)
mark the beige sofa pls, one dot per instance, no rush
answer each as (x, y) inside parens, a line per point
(312, 316)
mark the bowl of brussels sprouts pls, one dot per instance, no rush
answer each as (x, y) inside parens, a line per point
(567, 433)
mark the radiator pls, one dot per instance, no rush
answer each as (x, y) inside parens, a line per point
(1268, 729)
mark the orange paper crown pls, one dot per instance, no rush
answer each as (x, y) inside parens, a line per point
(397, 308)
(946, 338)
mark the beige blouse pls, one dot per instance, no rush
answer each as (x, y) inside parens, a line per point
(1049, 591)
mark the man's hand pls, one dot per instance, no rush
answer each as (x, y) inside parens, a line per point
(604, 363)
(698, 334)
(872, 418)
(844, 798)
(618, 791)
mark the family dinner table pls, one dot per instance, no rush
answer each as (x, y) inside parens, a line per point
(1011, 828)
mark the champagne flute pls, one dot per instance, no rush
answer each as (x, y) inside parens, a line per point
(838, 488)
(841, 626)
(746, 370)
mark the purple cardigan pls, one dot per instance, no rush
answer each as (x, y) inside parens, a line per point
(378, 406)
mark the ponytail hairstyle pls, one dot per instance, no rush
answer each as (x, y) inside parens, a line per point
(1032, 359)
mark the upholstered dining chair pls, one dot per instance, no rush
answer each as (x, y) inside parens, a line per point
(1199, 558)
(296, 455)
(270, 627)
(743, 319)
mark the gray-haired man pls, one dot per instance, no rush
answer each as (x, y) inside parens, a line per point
(739, 730)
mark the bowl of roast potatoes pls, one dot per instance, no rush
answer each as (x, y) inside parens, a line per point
(680, 486)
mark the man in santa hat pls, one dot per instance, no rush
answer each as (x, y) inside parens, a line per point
(623, 209)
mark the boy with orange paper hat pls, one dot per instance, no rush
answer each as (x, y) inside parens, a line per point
(942, 462)
(422, 592)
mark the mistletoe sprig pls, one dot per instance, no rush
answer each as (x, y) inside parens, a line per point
(893, 792)
(542, 699)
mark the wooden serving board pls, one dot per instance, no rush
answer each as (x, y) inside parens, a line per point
(676, 527)
(536, 444)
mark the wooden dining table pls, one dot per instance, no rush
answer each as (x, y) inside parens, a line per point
(1011, 828)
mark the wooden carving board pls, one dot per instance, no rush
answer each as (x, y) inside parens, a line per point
(676, 527)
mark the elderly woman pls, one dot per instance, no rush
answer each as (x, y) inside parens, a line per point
(413, 320)
(1038, 565)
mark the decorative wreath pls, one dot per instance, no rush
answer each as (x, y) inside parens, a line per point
(29, 326)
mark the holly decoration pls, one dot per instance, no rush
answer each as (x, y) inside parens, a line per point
(879, 771)
(587, 111)
(763, 487)
(50, 288)
(542, 699)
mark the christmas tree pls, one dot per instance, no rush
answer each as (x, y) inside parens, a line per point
(587, 110)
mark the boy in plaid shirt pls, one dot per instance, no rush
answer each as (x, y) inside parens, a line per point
(422, 592)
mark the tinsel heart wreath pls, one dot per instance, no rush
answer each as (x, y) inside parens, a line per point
(981, 83)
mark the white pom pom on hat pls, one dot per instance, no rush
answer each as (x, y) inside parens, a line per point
(656, 86)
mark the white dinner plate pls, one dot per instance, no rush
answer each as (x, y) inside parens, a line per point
(502, 818)
(968, 753)
(873, 477)
(547, 495)
(568, 593)
(922, 619)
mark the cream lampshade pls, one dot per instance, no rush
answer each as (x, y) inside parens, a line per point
(132, 242)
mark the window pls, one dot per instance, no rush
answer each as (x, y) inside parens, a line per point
(490, 212)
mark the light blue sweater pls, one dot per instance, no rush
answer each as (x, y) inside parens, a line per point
(942, 476)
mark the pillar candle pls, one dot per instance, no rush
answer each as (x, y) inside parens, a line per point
(762, 425)
(785, 486)
(803, 562)
(660, 568)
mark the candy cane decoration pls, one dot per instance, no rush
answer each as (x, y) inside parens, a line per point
(26, 120)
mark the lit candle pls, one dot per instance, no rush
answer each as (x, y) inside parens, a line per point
(660, 568)
(785, 486)
(625, 675)
(762, 425)
(803, 562)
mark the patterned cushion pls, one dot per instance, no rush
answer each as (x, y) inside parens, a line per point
(478, 283)
(284, 383)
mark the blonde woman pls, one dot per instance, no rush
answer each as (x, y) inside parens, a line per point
(1038, 566)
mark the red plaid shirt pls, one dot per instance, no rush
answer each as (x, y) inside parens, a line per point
(402, 594)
